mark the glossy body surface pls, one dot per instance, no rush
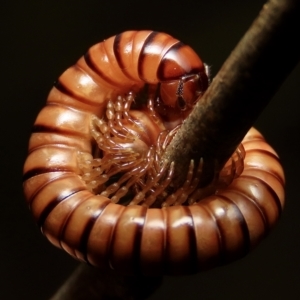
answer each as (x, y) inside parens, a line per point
(93, 124)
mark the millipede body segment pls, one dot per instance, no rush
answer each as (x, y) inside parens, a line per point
(96, 181)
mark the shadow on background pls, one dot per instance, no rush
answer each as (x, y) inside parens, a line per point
(40, 39)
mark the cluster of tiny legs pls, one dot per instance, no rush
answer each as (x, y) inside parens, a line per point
(128, 170)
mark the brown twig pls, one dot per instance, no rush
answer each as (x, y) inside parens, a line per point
(89, 283)
(248, 79)
(245, 84)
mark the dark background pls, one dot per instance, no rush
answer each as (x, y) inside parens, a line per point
(39, 40)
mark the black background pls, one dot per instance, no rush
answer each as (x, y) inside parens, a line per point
(39, 40)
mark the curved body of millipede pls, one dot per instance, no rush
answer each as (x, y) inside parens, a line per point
(96, 182)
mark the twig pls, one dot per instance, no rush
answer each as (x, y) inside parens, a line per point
(243, 87)
(245, 84)
(89, 283)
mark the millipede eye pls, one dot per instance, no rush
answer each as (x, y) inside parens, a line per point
(190, 89)
(181, 103)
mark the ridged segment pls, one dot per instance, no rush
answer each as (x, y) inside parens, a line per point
(101, 235)
(126, 240)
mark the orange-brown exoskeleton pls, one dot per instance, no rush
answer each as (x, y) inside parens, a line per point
(96, 182)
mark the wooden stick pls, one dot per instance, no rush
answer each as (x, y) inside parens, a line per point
(247, 81)
(90, 283)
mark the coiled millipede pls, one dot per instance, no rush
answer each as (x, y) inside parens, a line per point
(98, 188)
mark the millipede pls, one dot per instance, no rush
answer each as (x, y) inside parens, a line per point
(96, 181)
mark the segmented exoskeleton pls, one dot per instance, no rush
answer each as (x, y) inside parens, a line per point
(96, 152)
